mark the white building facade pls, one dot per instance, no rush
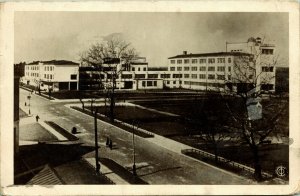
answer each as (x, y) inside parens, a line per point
(52, 75)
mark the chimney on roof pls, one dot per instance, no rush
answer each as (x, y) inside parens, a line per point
(185, 52)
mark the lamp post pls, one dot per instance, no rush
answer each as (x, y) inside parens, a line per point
(133, 144)
(28, 97)
(96, 142)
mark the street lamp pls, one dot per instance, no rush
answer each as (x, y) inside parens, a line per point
(28, 97)
(133, 144)
(96, 142)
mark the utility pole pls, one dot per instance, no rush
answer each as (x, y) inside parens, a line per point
(28, 97)
(133, 144)
(96, 142)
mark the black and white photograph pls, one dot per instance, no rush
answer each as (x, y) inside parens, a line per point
(152, 98)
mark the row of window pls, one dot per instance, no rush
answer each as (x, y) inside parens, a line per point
(202, 68)
(203, 84)
(267, 69)
(32, 74)
(49, 76)
(49, 68)
(201, 61)
(149, 83)
(139, 69)
(32, 68)
(209, 76)
(267, 51)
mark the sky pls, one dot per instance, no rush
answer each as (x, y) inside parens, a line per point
(156, 36)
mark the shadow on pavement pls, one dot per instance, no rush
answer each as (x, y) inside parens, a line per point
(31, 159)
(161, 170)
(122, 172)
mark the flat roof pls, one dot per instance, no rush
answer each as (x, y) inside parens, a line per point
(54, 62)
(209, 54)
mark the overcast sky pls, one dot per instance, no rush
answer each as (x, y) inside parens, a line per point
(156, 36)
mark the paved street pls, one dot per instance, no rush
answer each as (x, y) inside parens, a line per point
(155, 164)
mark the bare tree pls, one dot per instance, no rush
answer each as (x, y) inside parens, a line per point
(110, 57)
(255, 118)
(213, 130)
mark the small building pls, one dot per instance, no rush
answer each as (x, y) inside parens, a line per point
(54, 75)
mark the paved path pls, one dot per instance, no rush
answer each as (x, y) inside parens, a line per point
(159, 160)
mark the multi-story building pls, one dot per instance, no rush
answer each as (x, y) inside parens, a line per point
(246, 63)
(206, 71)
(52, 75)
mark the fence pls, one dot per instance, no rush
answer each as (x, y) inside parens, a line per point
(222, 159)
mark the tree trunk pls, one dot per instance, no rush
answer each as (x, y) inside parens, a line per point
(112, 99)
(257, 166)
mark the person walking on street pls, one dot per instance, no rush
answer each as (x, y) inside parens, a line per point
(110, 144)
(37, 118)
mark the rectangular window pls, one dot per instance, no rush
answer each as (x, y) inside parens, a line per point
(73, 76)
(179, 61)
(221, 60)
(143, 83)
(186, 61)
(140, 76)
(186, 75)
(133, 69)
(210, 61)
(194, 61)
(186, 68)
(51, 77)
(144, 69)
(172, 68)
(172, 61)
(177, 75)
(267, 51)
(194, 68)
(211, 68)
(126, 76)
(221, 77)
(165, 75)
(174, 82)
(179, 68)
(202, 61)
(154, 83)
(211, 76)
(152, 75)
(149, 83)
(221, 68)
(202, 76)
(45, 76)
(229, 60)
(267, 69)
(202, 68)
(229, 77)
(139, 69)
(194, 76)
(229, 69)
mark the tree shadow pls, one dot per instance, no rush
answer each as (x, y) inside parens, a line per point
(161, 170)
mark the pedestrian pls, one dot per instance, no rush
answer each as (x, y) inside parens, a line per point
(37, 118)
(107, 141)
(110, 144)
(25, 103)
